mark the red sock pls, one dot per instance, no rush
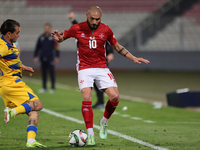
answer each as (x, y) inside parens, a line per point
(87, 113)
(110, 108)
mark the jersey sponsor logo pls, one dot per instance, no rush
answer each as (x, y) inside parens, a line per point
(81, 81)
(82, 34)
(101, 35)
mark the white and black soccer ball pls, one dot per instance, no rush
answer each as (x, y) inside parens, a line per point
(77, 137)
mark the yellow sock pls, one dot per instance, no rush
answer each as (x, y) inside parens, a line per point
(23, 108)
(31, 133)
(20, 109)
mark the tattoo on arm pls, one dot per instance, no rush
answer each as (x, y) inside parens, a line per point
(126, 54)
(121, 50)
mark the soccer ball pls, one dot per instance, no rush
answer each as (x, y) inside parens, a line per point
(77, 138)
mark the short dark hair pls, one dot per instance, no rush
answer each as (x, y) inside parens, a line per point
(47, 24)
(8, 26)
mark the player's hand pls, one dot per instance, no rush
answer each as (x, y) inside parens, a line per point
(110, 57)
(139, 60)
(35, 60)
(59, 37)
(71, 16)
(57, 60)
(29, 69)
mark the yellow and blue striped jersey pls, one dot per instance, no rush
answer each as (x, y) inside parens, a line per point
(10, 63)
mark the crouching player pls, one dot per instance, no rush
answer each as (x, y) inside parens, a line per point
(17, 96)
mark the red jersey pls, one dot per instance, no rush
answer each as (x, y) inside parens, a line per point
(91, 45)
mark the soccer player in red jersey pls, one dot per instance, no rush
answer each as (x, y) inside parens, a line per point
(91, 66)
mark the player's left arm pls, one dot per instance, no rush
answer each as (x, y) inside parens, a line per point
(121, 50)
(29, 69)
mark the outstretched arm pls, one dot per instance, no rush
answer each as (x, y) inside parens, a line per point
(121, 50)
(72, 19)
(58, 36)
(29, 69)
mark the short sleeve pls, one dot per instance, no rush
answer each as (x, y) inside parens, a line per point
(3, 50)
(111, 37)
(70, 32)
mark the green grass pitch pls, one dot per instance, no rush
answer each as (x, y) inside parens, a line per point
(173, 128)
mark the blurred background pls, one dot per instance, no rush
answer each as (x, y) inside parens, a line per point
(167, 32)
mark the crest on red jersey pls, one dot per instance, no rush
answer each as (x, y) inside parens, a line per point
(101, 35)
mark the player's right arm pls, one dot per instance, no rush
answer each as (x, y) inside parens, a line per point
(58, 36)
(61, 36)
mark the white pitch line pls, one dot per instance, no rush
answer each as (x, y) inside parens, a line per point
(184, 122)
(136, 118)
(149, 121)
(115, 113)
(109, 131)
(125, 115)
(65, 86)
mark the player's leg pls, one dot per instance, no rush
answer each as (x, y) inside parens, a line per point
(52, 76)
(111, 105)
(87, 113)
(32, 129)
(26, 107)
(106, 82)
(100, 99)
(19, 99)
(86, 81)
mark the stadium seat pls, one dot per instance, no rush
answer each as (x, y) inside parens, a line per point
(33, 14)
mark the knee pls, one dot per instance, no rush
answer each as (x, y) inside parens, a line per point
(36, 105)
(87, 97)
(40, 106)
(115, 97)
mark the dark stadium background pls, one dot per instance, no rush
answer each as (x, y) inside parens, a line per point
(166, 32)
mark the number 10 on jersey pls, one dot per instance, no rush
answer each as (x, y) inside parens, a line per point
(92, 44)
